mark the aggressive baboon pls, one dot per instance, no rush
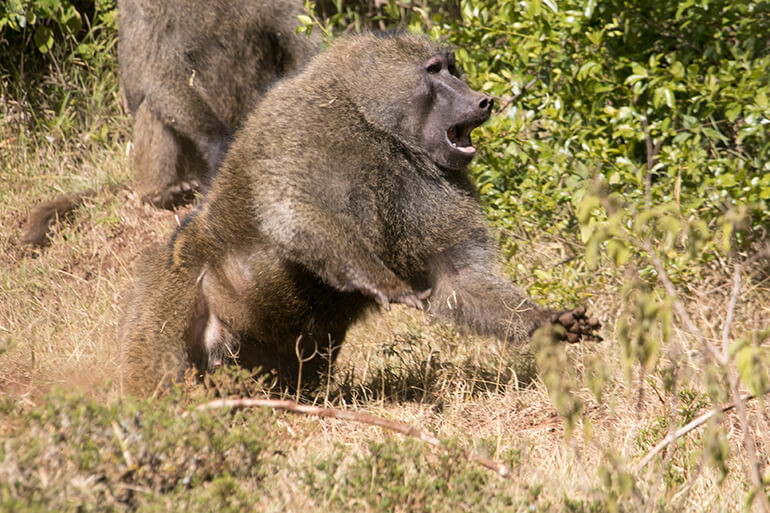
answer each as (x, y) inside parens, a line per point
(190, 72)
(346, 188)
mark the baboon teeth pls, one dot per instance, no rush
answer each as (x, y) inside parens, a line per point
(460, 137)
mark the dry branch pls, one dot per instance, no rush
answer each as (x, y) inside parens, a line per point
(723, 358)
(510, 101)
(362, 418)
(679, 433)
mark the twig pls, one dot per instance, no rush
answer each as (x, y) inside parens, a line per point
(731, 307)
(518, 95)
(652, 159)
(755, 473)
(363, 418)
(723, 358)
(677, 304)
(123, 447)
(679, 433)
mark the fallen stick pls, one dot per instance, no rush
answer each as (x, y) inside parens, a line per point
(363, 418)
(698, 421)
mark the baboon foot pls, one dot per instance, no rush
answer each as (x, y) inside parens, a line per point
(174, 195)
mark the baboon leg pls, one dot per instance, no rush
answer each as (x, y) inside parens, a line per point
(158, 314)
(188, 114)
(167, 169)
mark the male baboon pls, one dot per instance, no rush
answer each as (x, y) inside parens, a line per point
(346, 188)
(190, 73)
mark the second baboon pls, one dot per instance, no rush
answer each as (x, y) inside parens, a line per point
(346, 188)
(190, 72)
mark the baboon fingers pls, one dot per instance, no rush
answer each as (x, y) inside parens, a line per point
(382, 300)
(577, 325)
(425, 294)
(413, 302)
(176, 194)
(413, 299)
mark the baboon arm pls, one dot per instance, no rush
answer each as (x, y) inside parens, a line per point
(335, 251)
(468, 293)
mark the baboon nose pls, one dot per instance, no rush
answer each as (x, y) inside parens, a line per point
(486, 103)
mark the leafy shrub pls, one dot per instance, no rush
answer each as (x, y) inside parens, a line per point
(75, 453)
(41, 23)
(666, 102)
(58, 70)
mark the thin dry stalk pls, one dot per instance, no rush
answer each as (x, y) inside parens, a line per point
(652, 151)
(679, 433)
(678, 306)
(362, 418)
(510, 101)
(740, 405)
(723, 358)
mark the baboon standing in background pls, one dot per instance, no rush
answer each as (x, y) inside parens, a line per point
(190, 72)
(346, 188)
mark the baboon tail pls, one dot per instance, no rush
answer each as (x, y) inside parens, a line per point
(43, 215)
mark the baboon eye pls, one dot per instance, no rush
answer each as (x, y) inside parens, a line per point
(433, 68)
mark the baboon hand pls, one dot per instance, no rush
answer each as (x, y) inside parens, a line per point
(406, 297)
(413, 298)
(577, 324)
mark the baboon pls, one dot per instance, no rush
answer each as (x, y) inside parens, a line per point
(190, 73)
(346, 189)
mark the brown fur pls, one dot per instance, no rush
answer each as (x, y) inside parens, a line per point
(329, 202)
(191, 72)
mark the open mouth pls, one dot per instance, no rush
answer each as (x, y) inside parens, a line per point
(459, 136)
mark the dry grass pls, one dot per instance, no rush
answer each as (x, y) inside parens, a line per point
(59, 309)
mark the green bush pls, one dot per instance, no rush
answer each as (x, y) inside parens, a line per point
(58, 71)
(73, 453)
(666, 102)
(41, 23)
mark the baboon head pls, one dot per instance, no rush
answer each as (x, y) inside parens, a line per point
(424, 101)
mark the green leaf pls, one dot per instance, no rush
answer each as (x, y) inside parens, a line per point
(618, 251)
(732, 112)
(663, 96)
(747, 359)
(43, 38)
(589, 68)
(551, 5)
(761, 99)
